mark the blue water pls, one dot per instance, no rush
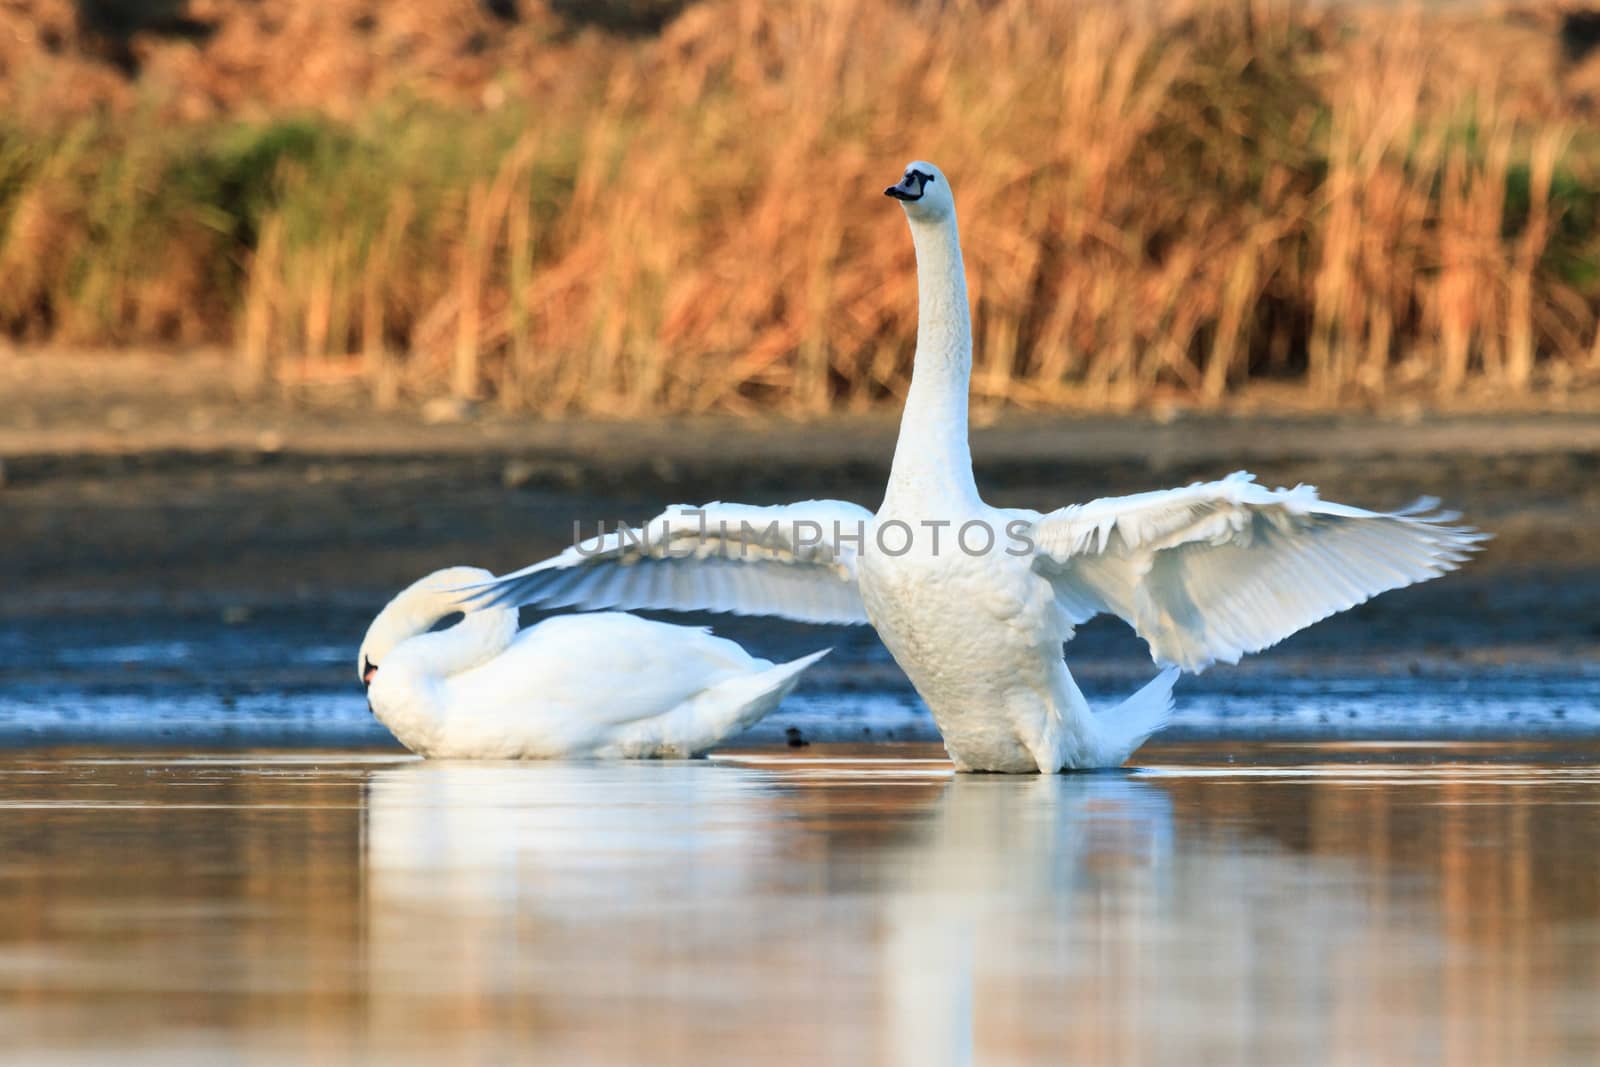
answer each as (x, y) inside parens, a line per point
(1506, 703)
(289, 680)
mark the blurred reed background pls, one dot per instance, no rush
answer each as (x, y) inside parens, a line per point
(647, 207)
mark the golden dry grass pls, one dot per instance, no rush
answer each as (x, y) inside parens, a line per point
(1155, 203)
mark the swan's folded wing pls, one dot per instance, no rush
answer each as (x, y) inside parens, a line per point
(1218, 569)
(797, 561)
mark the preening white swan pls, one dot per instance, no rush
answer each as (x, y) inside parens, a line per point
(605, 684)
(974, 602)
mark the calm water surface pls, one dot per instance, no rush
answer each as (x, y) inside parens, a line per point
(1331, 903)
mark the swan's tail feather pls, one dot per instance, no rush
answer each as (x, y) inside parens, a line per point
(732, 706)
(1130, 723)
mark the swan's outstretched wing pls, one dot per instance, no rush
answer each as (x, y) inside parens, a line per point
(797, 561)
(1218, 569)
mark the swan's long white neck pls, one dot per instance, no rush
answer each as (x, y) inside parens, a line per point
(479, 637)
(472, 642)
(932, 460)
(409, 693)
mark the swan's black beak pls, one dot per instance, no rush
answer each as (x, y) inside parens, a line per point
(368, 669)
(910, 187)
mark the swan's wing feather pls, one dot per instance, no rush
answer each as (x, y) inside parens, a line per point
(1218, 569)
(797, 561)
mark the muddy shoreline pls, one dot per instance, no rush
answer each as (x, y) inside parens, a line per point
(150, 525)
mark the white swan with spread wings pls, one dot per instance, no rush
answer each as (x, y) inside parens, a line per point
(974, 602)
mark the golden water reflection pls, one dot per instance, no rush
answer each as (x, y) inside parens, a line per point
(1337, 904)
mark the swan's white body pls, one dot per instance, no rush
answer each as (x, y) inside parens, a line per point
(604, 684)
(980, 638)
(1204, 573)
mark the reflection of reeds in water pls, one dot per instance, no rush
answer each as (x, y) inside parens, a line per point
(1154, 203)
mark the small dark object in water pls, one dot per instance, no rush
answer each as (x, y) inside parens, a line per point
(796, 739)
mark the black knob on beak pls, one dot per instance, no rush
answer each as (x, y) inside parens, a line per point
(910, 187)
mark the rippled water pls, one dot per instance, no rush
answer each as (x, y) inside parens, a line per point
(174, 681)
(1344, 903)
(1506, 704)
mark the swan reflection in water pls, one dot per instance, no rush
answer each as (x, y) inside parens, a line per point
(883, 911)
(992, 897)
(1315, 905)
(827, 908)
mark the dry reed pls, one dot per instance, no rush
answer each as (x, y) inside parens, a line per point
(1155, 204)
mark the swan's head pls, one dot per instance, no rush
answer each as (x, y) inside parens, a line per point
(923, 191)
(413, 611)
